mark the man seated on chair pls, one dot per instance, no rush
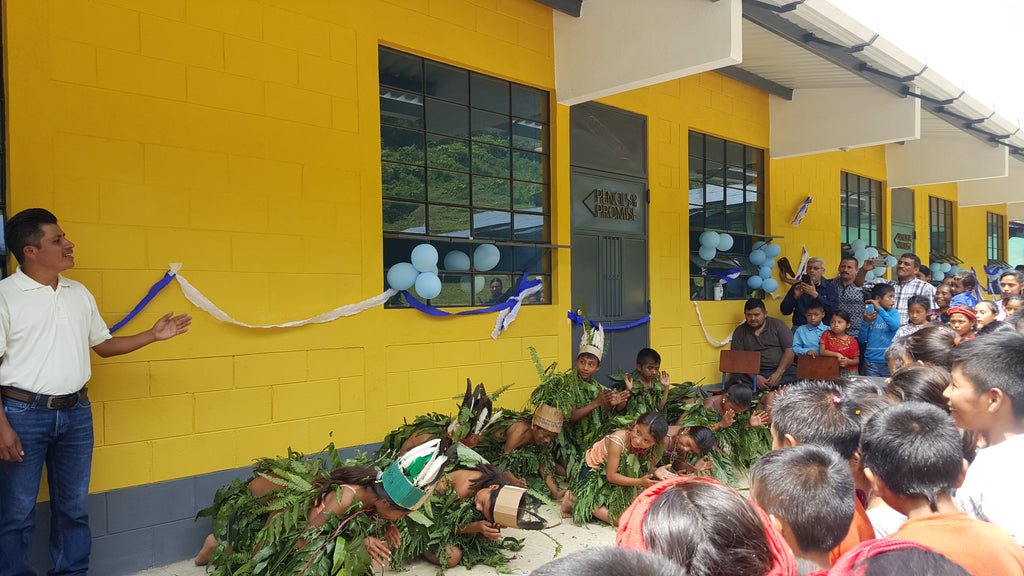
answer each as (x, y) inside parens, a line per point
(773, 339)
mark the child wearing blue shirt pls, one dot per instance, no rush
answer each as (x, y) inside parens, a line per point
(882, 320)
(807, 337)
(963, 288)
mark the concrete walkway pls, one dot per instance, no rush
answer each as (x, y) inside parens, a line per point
(537, 551)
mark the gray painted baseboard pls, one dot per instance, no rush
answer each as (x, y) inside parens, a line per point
(143, 527)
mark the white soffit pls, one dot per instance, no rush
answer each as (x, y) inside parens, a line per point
(943, 154)
(1009, 190)
(617, 45)
(828, 119)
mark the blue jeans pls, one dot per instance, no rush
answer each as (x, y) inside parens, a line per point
(877, 369)
(63, 439)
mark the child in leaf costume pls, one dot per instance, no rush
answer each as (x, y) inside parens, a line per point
(295, 516)
(646, 388)
(458, 527)
(520, 444)
(619, 466)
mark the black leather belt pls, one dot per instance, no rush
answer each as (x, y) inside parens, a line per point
(60, 402)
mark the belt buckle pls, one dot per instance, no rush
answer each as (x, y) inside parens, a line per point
(49, 403)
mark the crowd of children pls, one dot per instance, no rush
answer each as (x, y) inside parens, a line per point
(900, 467)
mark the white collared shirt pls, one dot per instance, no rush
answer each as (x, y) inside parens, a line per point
(46, 334)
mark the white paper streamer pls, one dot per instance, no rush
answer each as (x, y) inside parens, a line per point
(711, 340)
(508, 315)
(202, 302)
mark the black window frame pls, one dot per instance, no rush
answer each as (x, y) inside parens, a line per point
(473, 168)
(851, 194)
(941, 226)
(995, 226)
(706, 153)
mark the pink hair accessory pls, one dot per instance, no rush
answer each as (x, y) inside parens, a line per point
(836, 399)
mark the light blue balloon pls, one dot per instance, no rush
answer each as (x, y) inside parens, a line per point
(765, 272)
(770, 263)
(858, 244)
(486, 257)
(424, 257)
(954, 269)
(428, 285)
(946, 266)
(707, 252)
(725, 242)
(709, 238)
(402, 276)
(456, 261)
(758, 257)
(938, 276)
(770, 285)
(757, 245)
(891, 261)
(872, 252)
(936, 267)
(861, 254)
(773, 250)
(754, 282)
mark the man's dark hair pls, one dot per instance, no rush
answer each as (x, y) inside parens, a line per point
(815, 305)
(1016, 274)
(965, 278)
(881, 289)
(809, 487)
(754, 303)
(741, 395)
(498, 280)
(646, 356)
(995, 362)
(588, 355)
(811, 411)
(914, 448)
(932, 345)
(919, 300)
(26, 229)
(912, 256)
(917, 383)
(909, 561)
(609, 561)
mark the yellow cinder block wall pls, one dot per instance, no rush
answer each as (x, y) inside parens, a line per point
(242, 139)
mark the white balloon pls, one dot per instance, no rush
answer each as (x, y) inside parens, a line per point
(456, 261)
(486, 257)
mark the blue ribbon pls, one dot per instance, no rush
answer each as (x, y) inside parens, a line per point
(578, 320)
(153, 291)
(428, 309)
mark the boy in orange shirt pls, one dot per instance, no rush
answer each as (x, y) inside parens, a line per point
(913, 459)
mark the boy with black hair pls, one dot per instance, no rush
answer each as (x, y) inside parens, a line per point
(987, 395)
(963, 290)
(808, 494)
(881, 321)
(913, 459)
(812, 412)
(645, 389)
(736, 398)
(806, 338)
(917, 316)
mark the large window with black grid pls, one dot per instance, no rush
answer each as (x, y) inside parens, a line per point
(465, 168)
(860, 209)
(727, 195)
(940, 226)
(996, 227)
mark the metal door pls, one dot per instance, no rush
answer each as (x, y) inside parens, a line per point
(609, 228)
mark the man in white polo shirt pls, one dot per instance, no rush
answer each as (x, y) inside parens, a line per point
(48, 323)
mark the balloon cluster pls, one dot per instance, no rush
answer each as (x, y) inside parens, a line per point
(942, 269)
(862, 252)
(763, 256)
(421, 272)
(711, 242)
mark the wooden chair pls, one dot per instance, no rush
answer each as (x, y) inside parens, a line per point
(817, 368)
(739, 362)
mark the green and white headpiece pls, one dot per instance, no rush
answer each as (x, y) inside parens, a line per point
(411, 479)
(592, 341)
